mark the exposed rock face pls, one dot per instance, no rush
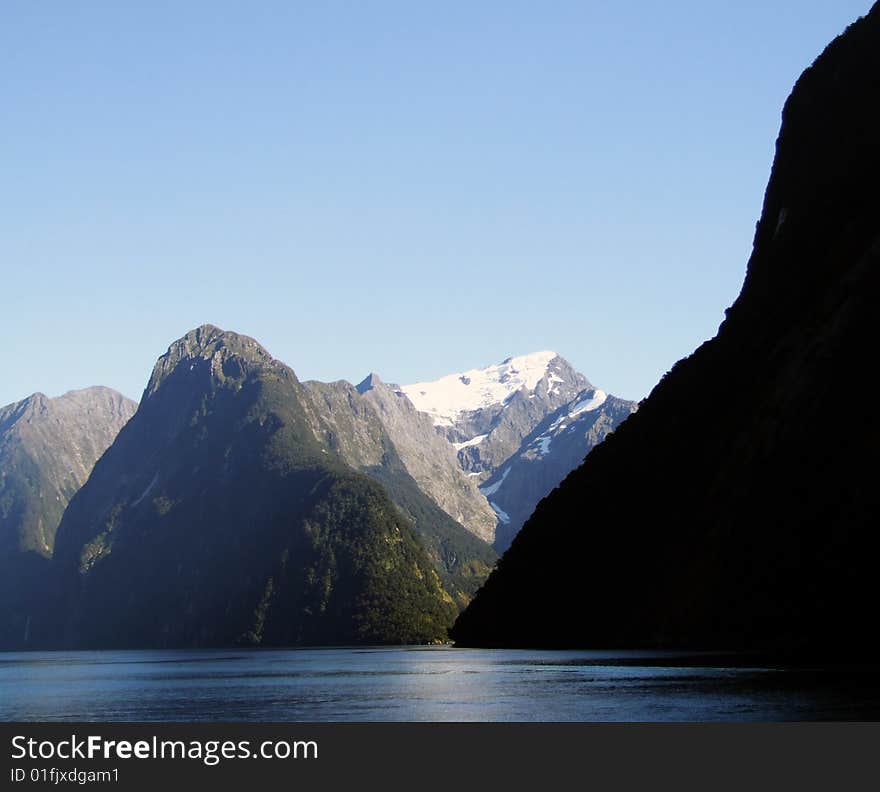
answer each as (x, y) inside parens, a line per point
(220, 516)
(430, 458)
(48, 448)
(738, 507)
(508, 424)
(487, 413)
(548, 454)
(361, 429)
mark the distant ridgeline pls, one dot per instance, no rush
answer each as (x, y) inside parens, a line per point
(738, 507)
(47, 450)
(237, 505)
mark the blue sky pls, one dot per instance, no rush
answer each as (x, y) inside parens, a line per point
(408, 188)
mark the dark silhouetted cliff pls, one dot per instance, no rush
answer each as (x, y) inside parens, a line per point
(739, 506)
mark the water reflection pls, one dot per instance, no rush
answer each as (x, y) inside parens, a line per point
(419, 683)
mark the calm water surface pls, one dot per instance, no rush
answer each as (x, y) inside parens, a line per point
(418, 684)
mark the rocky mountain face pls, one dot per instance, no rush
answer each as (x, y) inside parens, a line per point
(518, 427)
(554, 448)
(224, 513)
(429, 457)
(348, 422)
(48, 448)
(487, 413)
(738, 507)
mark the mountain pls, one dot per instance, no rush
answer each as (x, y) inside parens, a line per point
(738, 507)
(48, 447)
(220, 516)
(486, 413)
(347, 419)
(430, 458)
(548, 454)
(519, 427)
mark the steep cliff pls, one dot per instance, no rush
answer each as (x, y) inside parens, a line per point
(738, 507)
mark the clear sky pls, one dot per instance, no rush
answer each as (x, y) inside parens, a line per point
(408, 188)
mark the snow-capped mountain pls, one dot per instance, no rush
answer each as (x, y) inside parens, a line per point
(486, 413)
(454, 395)
(519, 427)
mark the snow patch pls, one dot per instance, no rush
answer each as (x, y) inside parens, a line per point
(472, 442)
(543, 443)
(447, 398)
(588, 405)
(591, 404)
(493, 488)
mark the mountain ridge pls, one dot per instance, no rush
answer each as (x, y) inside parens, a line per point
(218, 517)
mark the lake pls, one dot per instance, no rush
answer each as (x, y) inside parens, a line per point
(420, 684)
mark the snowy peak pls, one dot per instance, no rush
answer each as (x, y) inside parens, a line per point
(487, 413)
(447, 398)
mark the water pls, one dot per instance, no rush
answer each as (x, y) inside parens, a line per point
(418, 684)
